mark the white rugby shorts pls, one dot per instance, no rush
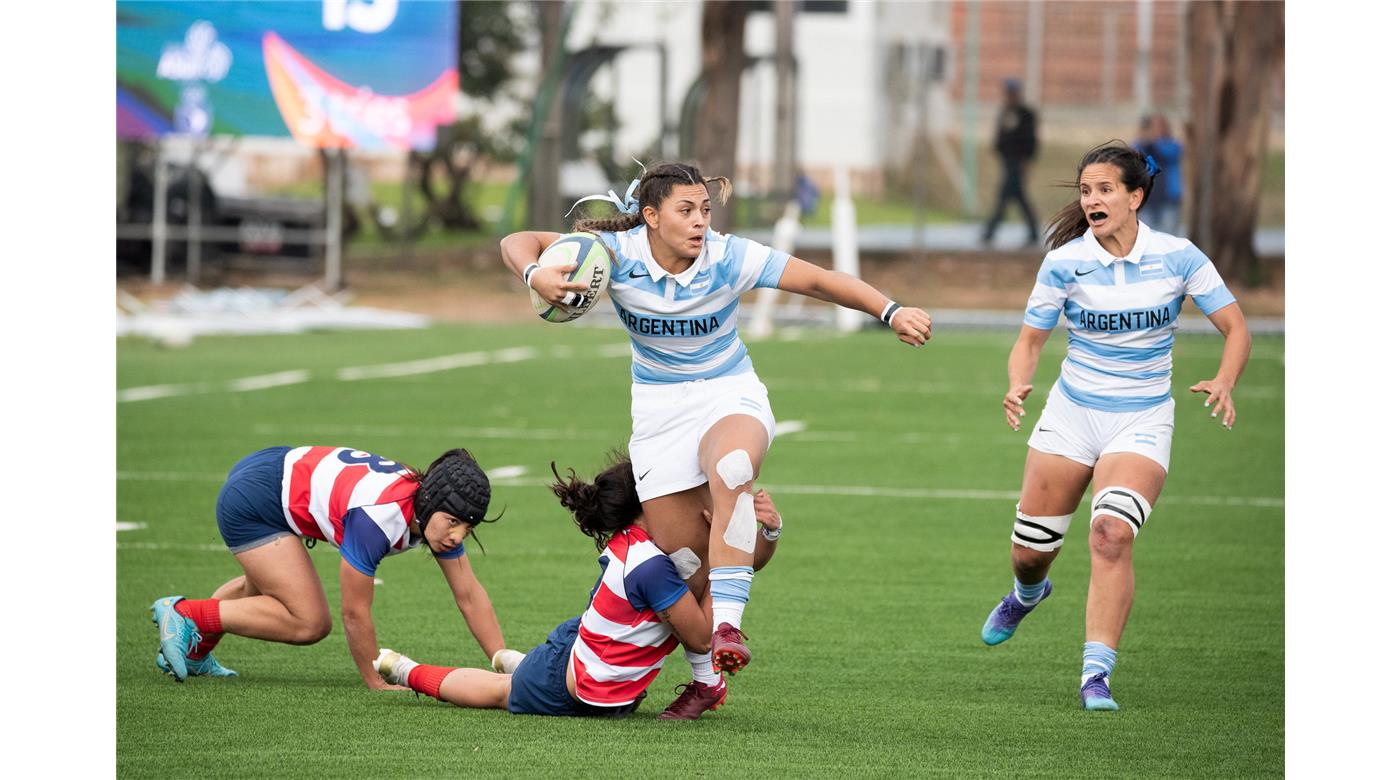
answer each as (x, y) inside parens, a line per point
(1084, 435)
(668, 421)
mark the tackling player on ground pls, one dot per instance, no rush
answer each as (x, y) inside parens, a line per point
(701, 421)
(600, 663)
(369, 508)
(1109, 418)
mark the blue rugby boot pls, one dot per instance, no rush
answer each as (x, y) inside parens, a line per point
(1007, 615)
(1094, 694)
(203, 667)
(178, 635)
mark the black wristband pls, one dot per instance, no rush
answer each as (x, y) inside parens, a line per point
(891, 309)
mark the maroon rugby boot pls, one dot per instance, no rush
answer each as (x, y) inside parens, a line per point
(695, 699)
(728, 649)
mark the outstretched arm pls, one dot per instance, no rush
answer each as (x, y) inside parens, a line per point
(356, 596)
(913, 326)
(473, 603)
(1229, 320)
(1020, 370)
(520, 251)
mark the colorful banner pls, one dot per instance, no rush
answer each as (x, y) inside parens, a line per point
(361, 74)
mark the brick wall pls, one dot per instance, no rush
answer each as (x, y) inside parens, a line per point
(1088, 53)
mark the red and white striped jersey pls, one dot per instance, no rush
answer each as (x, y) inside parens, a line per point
(357, 501)
(621, 642)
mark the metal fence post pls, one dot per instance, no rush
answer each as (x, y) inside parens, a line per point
(335, 178)
(158, 217)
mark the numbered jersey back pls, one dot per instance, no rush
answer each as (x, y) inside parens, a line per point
(321, 484)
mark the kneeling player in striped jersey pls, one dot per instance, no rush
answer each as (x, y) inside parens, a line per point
(276, 500)
(600, 663)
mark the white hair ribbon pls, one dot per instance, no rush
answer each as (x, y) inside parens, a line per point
(627, 204)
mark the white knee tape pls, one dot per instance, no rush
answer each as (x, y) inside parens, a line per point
(735, 469)
(742, 531)
(1123, 503)
(686, 561)
(1045, 534)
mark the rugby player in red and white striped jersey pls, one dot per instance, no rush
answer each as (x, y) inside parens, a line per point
(600, 663)
(368, 507)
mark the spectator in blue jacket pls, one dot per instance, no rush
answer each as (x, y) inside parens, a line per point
(1162, 212)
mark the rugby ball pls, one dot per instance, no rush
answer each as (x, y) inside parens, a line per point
(594, 261)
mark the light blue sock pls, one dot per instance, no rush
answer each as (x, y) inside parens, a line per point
(729, 587)
(1098, 657)
(1029, 595)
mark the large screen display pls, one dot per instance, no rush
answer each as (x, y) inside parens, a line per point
(362, 74)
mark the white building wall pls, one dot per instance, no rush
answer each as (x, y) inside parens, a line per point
(838, 78)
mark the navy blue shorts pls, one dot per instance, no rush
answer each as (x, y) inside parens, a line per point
(249, 508)
(539, 685)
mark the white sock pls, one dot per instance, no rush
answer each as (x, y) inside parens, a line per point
(728, 612)
(702, 668)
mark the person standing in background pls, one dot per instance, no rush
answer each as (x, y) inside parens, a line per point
(1163, 211)
(1016, 146)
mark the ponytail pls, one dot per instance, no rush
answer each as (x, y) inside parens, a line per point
(604, 506)
(1135, 169)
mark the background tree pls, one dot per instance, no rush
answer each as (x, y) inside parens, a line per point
(1236, 57)
(722, 64)
(488, 37)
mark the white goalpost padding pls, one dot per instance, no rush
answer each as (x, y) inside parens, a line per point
(845, 258)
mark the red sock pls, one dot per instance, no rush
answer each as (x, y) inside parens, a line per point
(428, 679)
(205, 614)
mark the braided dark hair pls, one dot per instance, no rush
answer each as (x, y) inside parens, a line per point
(604, 506)
(654, 187)
(1069, 222)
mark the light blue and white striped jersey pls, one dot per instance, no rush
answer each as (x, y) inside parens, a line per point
(1122, 314)
(684, 326)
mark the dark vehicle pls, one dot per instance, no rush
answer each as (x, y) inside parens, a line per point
(234, 231)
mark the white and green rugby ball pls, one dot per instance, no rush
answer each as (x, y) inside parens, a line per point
(594, 261)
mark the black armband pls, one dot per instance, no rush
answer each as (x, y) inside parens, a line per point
(891, 309)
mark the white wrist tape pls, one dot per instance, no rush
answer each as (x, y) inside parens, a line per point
(772, 535)
(505, 660)
(528, 272)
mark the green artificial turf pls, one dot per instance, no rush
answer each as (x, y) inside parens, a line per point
(897, 496)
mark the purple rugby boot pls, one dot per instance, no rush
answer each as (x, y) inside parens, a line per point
(1002, 623)
(1094, 694)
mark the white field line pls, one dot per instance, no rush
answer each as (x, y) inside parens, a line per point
(269, 380)
(245, 384)
(356, 373)
(998, 495)
(121, 526)
(518, 434)
(434, 365)
(872, 385)
(170, 546)
(927, 494)
(785, 427)
(504, 472)
(155, 391)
